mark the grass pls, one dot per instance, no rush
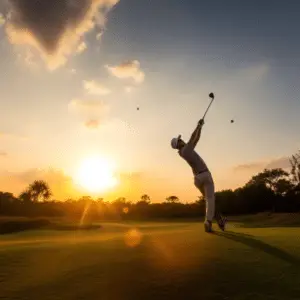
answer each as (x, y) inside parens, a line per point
(151, 261)
(264, 220)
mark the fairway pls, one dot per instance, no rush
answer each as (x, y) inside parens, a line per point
(151, 261)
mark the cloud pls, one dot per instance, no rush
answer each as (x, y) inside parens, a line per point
(88, 106)
(55, 28)
(94, 88)
(92, 124)
(126, 70)
(81, 47)
(2, 153)
(29, 59)
(249, 167)
(2, 20)
(26, 57)
(281, 162)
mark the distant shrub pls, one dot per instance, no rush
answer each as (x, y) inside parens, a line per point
(8, 227)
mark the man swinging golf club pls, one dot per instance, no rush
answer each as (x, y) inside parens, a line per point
(202, 177)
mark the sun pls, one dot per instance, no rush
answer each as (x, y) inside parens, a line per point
(96, 174)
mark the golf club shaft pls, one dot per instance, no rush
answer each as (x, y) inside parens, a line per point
(208, 107)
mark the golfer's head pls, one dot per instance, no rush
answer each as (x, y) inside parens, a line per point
(177, 143)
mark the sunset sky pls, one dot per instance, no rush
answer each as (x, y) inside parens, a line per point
(74, 72)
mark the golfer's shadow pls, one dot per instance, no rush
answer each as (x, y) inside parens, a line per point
(250, 241)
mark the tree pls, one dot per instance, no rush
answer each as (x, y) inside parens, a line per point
(254, 198)
(39, 191)
(284, 186)
(6, 199)
(120, 201)
(275, 179)
(145, 198)
(172, 199)
(200, 200)
(121, 205)
(85, 199)
(25, 196)
(100, 200)
(295, 172)
(227, 202)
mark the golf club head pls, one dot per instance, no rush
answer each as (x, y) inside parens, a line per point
(211, 95)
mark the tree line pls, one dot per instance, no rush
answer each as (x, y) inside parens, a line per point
(272, 190)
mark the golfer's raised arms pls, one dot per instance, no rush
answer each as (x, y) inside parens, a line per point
(195, 136)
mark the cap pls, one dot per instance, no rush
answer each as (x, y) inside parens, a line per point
(174, 142)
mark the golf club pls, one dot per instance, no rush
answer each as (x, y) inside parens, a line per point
(212, 96)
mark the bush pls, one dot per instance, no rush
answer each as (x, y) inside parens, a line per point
(8, 227)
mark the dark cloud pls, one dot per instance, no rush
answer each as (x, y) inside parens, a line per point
(55, 27)
(3, 153)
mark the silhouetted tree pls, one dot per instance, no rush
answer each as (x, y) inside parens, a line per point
(6, 197)
(85, 199)
(172, 199)
(39, 191)
(275, 179)
(6, 201)
(295, 172)
(145, 198)
(254, 198)
(25, 196)
(120, 201)
(228, 202)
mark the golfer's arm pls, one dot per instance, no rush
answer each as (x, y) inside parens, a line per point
(195, 136)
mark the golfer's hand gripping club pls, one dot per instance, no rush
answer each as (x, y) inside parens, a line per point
(201, 122)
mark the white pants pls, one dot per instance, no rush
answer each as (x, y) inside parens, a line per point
(204, 182)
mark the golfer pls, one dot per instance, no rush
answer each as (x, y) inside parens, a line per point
(202, 177)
